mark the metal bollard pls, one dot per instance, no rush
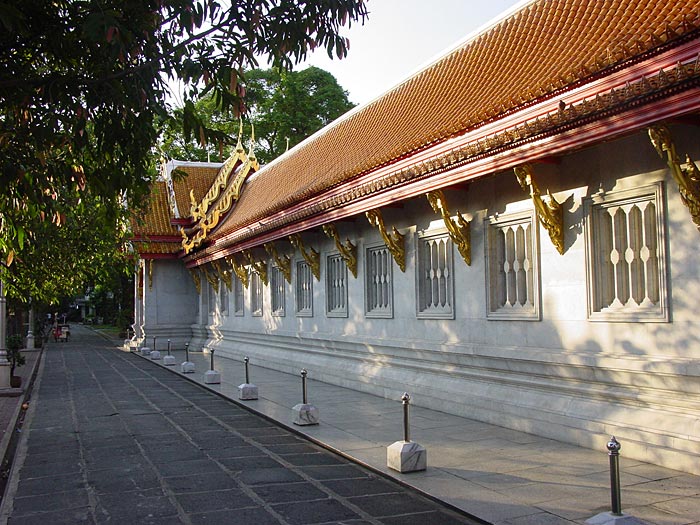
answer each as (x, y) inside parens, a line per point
(154, 343)
(405, 398)
(211, 354)
(168, 346)
(614, 453)
(303, 385)
(247, 375)
(187, 352)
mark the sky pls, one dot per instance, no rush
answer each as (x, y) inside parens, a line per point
(400, 37)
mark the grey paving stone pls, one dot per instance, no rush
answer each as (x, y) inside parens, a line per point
(391, 504)
(201, 482)
(437, 518)
(185, 467)
(198, 502)
(268, 475)
(315, 459)
(126, 479)
(250, 462)
(293, 448)
(61, 517)
(362, 486)
(49, 484)
(256, 516)
(131, 507)
(234, 452)
(319, 511)
(43, 470)
(280, 439)
(50, 502)
(289, 492)
(335, 472)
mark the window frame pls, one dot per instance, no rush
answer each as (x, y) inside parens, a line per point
(422, 311)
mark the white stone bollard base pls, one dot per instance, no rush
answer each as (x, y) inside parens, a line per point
(155, 355)
(187, 367)
(305, 414)
(406, 456)
(169, 360)
(145, 350)
(212, 377)
(608, 518)
(247, 391)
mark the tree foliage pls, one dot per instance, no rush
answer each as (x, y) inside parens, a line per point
(284, 107)
(83, 85)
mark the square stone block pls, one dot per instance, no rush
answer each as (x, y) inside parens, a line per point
(187, 367)
(608, 518)
(145, 350)
(247, 391)
(406, 456)
(212, 377)
(305, 414)
(155, 355)
(169, 360)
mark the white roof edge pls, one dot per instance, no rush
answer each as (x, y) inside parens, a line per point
(460, 43)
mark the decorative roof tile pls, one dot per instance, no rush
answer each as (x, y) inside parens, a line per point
(156, 221)
(547, 45)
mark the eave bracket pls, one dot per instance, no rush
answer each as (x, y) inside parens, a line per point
(395, 242)
(348, 251)
(311, 256)
(459, 228)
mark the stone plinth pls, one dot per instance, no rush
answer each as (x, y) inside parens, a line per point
(212, 377)
(145, 350)
(155, 355)
(305, 414)
(247, 391)
(187, 367)
(608, 518)
(169, 360)
(406, 456)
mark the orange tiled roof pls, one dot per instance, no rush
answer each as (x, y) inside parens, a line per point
(157, 247)
(156, 221)
(199, 179)
(546, 45)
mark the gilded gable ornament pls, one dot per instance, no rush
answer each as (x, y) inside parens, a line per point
(395, 242)
(687, 175)
(348, 251)
(550, 213)
(259, 267)
(311, 256)
(459, 228)
(223, 273)
(283, 262)
(240, 270)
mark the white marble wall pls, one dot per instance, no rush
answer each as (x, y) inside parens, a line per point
(562, 376)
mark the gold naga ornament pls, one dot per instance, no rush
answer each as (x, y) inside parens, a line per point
(348, 251)
(459, 229)
(283, 262)
(550, 213)
(311, 256)
(394, 242)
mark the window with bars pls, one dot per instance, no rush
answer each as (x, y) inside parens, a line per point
(513, 267)
(256, 295)
(238, 297)
(223, 298)
(277, 291)
(434, 278)
(304, 290)
(336, 286)
(379, 283)
(625, 255)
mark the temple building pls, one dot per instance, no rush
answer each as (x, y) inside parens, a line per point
(509, 235)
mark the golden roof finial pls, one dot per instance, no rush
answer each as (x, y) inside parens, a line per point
(251, 153)
(239, 146)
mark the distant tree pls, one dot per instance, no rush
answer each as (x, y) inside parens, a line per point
(284, 106)
(288, 106)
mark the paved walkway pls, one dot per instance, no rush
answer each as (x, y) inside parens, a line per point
(499, 475)
(111, 438)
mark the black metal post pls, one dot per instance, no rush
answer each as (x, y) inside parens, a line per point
(247, 376)
(154, 343)
(187, 352)
(303, 385)
(168, 346)
(614, 454)
(211, 353)
(405, 398)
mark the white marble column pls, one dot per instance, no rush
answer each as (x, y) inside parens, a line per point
(4, 363)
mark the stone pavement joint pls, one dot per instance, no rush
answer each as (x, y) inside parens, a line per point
(111, 438)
